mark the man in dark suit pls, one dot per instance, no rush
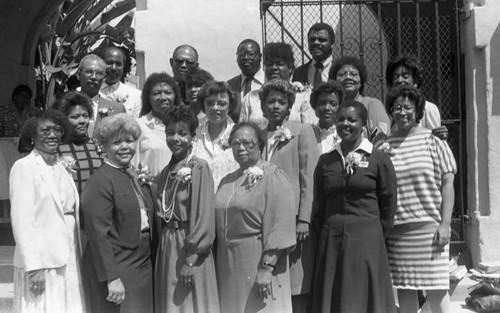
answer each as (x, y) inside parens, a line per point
(91, 73)
(248, 57)
(320, 39)
(184, 60)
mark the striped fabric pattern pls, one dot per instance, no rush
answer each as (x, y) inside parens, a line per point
(420, 161)
(415, 263)
(87, 159)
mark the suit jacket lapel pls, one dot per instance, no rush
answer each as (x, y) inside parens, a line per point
(48, 178)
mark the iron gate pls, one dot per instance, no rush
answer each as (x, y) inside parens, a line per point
(375, 31)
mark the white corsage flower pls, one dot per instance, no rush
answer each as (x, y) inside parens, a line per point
(254, 174)
(352, 162)
(103, 112)
(223, 142)
(144, 174)
(184, 175)
(120, 98)
(282, 134)
(299, 87)
(69, 163)
(386, 147)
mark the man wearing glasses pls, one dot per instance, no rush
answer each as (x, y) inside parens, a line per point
(183, 61)
(248, 57)
(91, 73)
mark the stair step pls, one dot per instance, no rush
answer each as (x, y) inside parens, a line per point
(6, 297)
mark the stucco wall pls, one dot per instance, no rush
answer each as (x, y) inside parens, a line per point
(481, 45)
(214, 28)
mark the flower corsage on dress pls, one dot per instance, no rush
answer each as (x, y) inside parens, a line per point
(253, 175)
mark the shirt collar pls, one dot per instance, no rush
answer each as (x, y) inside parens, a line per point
(365, 146)
(326, 62)
(258, 77)
(112, 87)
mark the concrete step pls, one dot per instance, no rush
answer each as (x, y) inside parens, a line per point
(6, 279)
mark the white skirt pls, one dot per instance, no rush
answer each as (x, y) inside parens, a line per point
(63, 286)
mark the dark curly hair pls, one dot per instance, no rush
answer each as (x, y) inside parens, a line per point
(213, 87)
(29, 130)
(197, 78)
(178, 114)
(332, 86)
(71, 99)
(353, 61)
(279, 51)
(261, 142)
(410, 61)
(280, 85)
(359, 107)
(153, 80)
(410, 92)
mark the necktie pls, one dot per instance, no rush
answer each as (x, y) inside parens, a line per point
(317, 75)
(247, 85)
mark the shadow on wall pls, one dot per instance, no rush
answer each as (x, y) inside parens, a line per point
(495, 70)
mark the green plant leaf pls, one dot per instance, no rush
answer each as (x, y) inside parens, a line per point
(121, 8)
(97, 9)
(73, 17)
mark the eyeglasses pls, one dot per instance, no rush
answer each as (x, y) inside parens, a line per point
(248, 145)
(57, 130)
(250, 55)
(219, 103)
(91, 73)
(405, 108)
(350, 73)
(180, 62)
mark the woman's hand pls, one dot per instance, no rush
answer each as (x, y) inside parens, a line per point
(442, 235)
(302, 230)
(187, 276)
(262, 283)
(441, 132)
(116, 291)
(37, 281)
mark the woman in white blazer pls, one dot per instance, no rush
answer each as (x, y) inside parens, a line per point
(45, 222)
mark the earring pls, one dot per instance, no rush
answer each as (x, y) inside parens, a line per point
(32, 142)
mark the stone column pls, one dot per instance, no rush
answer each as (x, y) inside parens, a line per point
(481, 48)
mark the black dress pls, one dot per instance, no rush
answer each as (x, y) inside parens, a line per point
(117, 247)
(353, 214)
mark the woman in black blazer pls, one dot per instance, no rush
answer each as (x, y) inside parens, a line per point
(117, 207)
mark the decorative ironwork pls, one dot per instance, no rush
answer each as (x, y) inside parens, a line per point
(375, 31)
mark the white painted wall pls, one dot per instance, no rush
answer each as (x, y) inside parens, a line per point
(481, 45)
(214, 28)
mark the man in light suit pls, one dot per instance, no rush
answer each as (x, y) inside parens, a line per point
(91, 73)
(113, 89)
(320, 39)
(248, 57)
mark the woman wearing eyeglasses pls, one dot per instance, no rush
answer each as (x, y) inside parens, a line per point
(217, 100)
(352, 75)
(45, 222)
(425, 171)
(255, 224)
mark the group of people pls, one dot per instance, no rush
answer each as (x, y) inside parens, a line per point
(280, 190)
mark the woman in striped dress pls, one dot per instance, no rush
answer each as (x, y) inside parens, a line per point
(418, 246)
